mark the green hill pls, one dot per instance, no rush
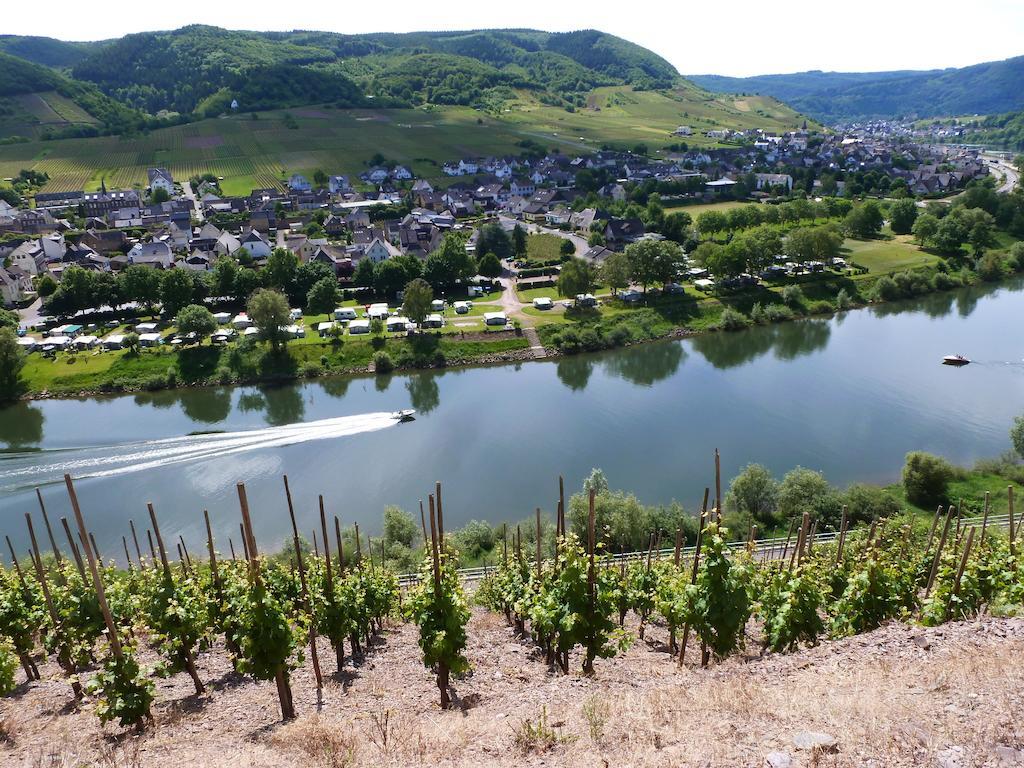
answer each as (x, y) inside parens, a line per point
(835, 96)
(47, 51)
(180, 69)
(34, 99)
(1006, 131)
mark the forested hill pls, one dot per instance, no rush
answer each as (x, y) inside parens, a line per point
(21, 78)
(46, 50)
(198, 68)
(836, 96)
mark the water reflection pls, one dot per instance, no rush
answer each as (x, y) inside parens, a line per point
(646, 364)
(209, 406)
(21, 426)
(575, 371)
(336, 386)
(279, 405)
(424, 392)
(788, 340)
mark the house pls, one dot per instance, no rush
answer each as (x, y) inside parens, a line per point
(34, 222)
(558, 216)
(495, 318)
(719, 187)
(256, 244)
(683, 130)
(379, 250)
(197, 261)
(597, 254)
(29, 257)
(227, 244)
(581, 220)
(359, 327)
(401, 173)
(55, 201)
(15, 286)
(299, 183)
(104, 240)
(337, 185)
(769, 181)
(101, 203)
(375, 175)
(622, 231)
(160, 178)
(616, 192)
(521, 187)
(422, 186)
(155, 254)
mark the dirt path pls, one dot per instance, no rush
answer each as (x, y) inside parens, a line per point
(900, 696)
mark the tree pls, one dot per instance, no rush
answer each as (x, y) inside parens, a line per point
(518, 241)
(268, 310)
(489, 266)
(306, 276)
(131, 342)
(46, 286)
(711, 221)
(1017, 435)
(722, 260)
(492, 238)
(615, 272)
(754, 492)
(159, 195)
(319, 178)
(12, 360)
(388, 278)
(323, 297)
(196, 319)
(8, 319)
(924, 228)
(926, 479)
(399, 526)
(176, 291)
(654, 261)
(280, 269)
(141, 284)
(595, 239)
(246, 281)
(864, 221)
(418, 296)
(224, 271)
(576, 277)
(902, 216)
(804, 490)
(567, 248)
(363, 276)
(449, 264)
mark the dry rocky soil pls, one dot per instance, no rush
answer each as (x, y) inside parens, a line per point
(950, 697)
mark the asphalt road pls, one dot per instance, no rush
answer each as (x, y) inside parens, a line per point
(1011, 176)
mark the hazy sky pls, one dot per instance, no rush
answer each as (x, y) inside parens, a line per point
(732, 37)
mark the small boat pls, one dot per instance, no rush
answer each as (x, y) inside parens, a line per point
(403, 416)
(955, 360)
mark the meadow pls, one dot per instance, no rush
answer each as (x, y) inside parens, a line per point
(252, 151)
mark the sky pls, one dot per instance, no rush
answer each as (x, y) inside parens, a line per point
(728, 37)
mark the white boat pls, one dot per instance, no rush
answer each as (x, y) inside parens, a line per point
(956, 360)
(403, 416)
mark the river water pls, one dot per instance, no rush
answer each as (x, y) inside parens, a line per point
(848, 396)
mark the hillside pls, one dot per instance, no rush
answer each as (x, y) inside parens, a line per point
(252, 153)
(178, 70)
(837, 96)
(34, 98)
(1005, 131)
(47, 51)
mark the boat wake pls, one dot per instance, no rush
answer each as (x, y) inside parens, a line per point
(19, 471)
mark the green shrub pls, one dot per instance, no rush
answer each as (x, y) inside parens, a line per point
(990, 267)
(224, 375)
(310, 370)
(793, 295)
(382, 363)
(843, 300)
(943, 282)
(732, 320)
(757, 314)
(776, 313)
(886, 289)
(926, 479)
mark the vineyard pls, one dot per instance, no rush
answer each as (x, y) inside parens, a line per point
(115, 633)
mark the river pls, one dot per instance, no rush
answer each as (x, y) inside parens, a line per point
(849, 396)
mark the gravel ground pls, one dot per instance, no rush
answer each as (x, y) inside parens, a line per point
(951, 697)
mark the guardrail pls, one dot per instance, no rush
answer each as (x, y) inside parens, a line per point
(760, 546)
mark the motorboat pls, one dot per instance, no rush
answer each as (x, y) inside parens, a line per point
(955, 360)
(403, 416)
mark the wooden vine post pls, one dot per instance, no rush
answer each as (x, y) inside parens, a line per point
(37, 563)
(938, 552)
(190, 662)
(1013, 529)
(49, 531)
(284, 691)
(693, 573)
(436, 548)
(306, 602)
(339, 647)
(984, 519)
(960, 570)
(588, 662)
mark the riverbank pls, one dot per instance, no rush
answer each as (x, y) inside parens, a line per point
(882, 270)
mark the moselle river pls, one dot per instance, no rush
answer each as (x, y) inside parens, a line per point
(848, 396)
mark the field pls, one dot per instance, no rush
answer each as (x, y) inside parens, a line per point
(881, 256)
(250, 152)
(28, 114)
